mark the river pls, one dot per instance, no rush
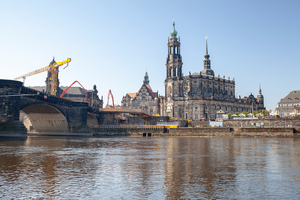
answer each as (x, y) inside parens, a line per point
(150, 168)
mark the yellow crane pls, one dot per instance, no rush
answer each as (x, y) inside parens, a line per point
(53, 70)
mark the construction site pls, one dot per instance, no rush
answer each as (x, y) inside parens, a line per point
(112, 114)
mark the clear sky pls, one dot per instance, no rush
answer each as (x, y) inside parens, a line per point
(113, 43)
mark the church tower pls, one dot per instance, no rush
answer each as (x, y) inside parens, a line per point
(174, 60)
(207, 69)
(260, 99)
(174, 81)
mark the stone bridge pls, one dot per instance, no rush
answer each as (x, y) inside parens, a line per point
(44, 114)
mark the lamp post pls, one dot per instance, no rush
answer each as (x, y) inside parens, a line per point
(252, 112)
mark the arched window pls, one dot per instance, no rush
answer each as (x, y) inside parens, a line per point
(170, 89)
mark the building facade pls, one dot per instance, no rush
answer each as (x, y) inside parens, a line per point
(201, 95)
(144, 99)
(290, 105)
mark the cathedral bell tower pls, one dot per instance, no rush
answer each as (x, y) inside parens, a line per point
(174, 60)
(207, 68)
(174, 78)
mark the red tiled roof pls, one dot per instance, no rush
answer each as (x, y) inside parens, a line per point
(132, 95)
(153, 94)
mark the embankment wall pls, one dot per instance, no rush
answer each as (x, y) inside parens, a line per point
(199, 131)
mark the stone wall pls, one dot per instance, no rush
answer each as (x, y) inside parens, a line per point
(268, 122)
(137, 132)
(13, 129)
(9, 107)
(201, 131)
(268, 132)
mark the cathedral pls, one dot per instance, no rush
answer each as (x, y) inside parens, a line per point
(202, 95)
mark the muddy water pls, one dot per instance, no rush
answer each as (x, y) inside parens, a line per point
(150, 168)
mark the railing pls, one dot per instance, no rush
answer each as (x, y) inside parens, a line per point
(127, 126)
(267, 125)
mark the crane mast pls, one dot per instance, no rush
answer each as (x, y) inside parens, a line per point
(54, 74)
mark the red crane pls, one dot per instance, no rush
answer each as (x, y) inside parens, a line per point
(112, 97)
(64, 92)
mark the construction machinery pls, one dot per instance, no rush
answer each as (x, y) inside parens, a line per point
(65, 91)
(53, 70)
(112, 97)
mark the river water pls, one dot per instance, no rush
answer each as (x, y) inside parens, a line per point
(150, 168)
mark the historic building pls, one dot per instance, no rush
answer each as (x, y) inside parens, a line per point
(77, 94)
(200, 95)
(144, 99)
(289, 105)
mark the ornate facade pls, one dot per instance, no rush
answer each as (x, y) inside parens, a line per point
(144, 99)
(200, 95)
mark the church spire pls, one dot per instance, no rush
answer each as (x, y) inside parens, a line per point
(259, 89)
(206, 46)
(173, 32)
(207, 70)
(206, 56)
(146, 79)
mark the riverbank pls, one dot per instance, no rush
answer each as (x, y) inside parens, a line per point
(195, 131)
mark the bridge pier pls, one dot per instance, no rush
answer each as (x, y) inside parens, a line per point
(10, 126)
(77, 120)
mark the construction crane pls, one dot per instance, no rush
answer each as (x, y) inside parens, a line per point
(52, 72)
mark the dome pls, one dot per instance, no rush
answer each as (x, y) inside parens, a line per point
(173, 32)
(52, 62)
(208, 72)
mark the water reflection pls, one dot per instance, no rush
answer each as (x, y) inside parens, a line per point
(150, 168)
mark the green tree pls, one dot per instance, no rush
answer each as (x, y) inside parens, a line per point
(237, 113)
(255, 113)
(264, 112)
(245, 113)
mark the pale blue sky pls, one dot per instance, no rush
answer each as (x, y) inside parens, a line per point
(113, 43)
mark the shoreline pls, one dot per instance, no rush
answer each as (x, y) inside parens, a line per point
(198, 131)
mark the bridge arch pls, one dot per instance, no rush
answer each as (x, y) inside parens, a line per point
(43, 118)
